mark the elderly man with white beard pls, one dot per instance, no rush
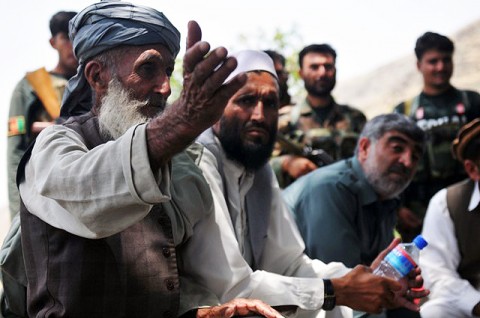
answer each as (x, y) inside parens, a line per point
(109, 198)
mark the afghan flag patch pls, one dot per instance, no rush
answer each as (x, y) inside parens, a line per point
(16, 126)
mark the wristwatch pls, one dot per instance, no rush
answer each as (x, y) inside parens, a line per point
(328, 295)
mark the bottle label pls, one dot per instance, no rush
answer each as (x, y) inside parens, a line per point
(400, 260)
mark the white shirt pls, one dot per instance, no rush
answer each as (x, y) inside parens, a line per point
(92, 193)
(240, 181)
(72, 192)
(440, 259)
(286, 276)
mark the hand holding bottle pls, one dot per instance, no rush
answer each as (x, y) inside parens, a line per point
(401, 260)
(411, 283)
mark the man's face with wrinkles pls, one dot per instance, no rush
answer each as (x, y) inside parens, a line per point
(389, 163)
(247, 129)
(138, 89)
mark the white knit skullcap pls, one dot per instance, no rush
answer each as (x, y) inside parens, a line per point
(252, 60)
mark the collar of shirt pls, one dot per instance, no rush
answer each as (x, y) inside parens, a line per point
(238, 182)
(475, 198)
(306, 109)
(356, 181)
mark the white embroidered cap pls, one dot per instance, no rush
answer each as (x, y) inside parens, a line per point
(252, 60)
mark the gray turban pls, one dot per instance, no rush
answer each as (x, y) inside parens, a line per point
(104, 26)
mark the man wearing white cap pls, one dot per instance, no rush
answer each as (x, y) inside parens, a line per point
(263, 250)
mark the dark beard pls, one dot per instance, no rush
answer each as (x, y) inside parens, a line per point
(323, 91)
(252, 155)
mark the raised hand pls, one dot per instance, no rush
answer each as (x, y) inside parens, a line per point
(204, 96)
(201, 102)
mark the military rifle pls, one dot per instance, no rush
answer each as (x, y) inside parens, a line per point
(318, 156)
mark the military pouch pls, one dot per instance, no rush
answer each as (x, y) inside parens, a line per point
(440, 160)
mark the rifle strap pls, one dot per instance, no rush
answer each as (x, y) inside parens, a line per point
(41, 83)
(411, 106)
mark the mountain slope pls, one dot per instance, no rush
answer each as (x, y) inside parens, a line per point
(380, 90)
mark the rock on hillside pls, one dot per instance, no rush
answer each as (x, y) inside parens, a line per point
(380, 90)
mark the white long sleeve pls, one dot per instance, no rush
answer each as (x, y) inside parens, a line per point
(92, 193)
(440, 259)
(285, 276)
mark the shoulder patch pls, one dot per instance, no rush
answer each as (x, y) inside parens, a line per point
(16, 126)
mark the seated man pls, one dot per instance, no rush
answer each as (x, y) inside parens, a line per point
(354, 200)
(263, 250)
(109, 198)
(346, 212)
(451, 262)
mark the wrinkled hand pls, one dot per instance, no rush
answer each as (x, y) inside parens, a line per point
(363, 291)
(296, 166)
(411, 289)
(239, 307)
(203, 98)
(201, 102)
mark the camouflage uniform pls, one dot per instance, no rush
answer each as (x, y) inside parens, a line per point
(25, 109)
(334, 129)
(441, 117)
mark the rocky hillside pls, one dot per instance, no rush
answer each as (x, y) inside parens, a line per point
(380, 90)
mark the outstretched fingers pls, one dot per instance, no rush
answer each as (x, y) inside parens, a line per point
(194, 34)
(194, 55)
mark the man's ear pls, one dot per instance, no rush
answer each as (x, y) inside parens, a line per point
(97, 76)
(363, 148)
(53, 42)
(216, 127)
(300, 73)
(472, 169)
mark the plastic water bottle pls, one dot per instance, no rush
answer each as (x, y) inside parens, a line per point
(402, 259)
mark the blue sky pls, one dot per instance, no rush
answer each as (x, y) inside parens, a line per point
(365, 33)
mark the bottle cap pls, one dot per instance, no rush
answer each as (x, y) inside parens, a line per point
(420, 242)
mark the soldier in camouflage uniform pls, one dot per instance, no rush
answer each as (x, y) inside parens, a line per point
(36, 101)
(318, 122)
(440, 109)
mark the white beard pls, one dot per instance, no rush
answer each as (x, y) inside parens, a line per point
(379, 180)
(119, 111)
